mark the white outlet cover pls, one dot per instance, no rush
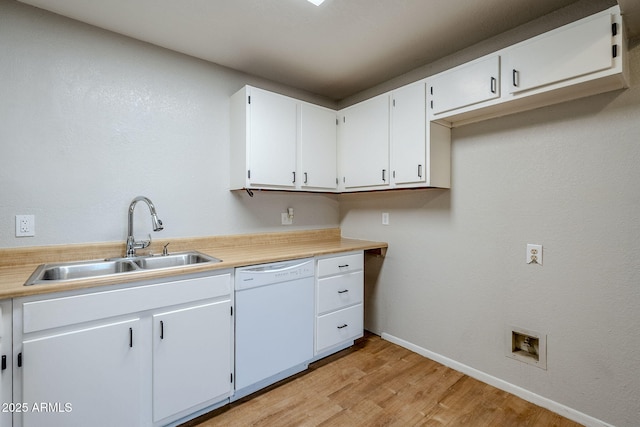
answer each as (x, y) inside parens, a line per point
(25, 225)
(534, 254)
(285, 218)
(385, 218)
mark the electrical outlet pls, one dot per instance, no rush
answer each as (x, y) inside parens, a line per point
(286, 218)
(534, 254)
(25, 225)
(385, 218)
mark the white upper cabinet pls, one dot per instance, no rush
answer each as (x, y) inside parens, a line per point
(466, 85)
(263, 145)
(318, 147)
(401, 139)
(580, 59)
(363, 136)
(575, 50)
(408, 134)
(281, 143)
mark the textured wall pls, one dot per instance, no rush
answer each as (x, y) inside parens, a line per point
(90, 119)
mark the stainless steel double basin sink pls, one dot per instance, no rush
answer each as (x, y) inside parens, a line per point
(50, 273)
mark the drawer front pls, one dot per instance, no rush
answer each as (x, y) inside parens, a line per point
(339, 327)
(64, 311)
(340, 291)
(340, 264)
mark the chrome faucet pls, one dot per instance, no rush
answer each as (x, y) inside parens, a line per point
(132, 245)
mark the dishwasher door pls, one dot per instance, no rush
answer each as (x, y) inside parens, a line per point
(274, 323)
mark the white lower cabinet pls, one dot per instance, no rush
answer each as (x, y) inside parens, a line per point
(6, 380)
(339, 302)
(83, 376)
(191, 358)
(146, 355)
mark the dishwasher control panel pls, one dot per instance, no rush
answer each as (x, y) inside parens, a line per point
(264, 274)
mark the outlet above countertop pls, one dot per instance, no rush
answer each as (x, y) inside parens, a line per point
(17, 264)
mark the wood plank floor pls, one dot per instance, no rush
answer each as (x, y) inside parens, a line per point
(377, 383)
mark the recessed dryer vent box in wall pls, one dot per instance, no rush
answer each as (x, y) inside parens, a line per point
(527, 346)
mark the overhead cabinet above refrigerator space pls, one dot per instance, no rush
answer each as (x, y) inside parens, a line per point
(580, 59)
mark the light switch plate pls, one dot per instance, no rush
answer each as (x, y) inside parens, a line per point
(385, 218)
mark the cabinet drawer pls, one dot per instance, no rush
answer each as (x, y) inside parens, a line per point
(339, 327)
(64, 311)
(340, 291)
(340, 264)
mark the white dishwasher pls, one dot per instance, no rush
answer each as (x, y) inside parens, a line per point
(274, 316)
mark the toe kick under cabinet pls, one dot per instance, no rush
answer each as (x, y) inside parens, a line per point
(144, 355)
(339, 302)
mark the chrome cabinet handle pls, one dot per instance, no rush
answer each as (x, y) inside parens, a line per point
(306, 178)
(343, 266)
(515, 77)
(342, 326)
(344, 291)
(384, 174)
(419, 171)
(493, 85)
(161, 330)
(294, 177)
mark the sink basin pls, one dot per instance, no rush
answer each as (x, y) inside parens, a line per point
(48, 273)
(173, 260)
(79, 270)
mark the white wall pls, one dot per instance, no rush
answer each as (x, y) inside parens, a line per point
(455, 276)
(90, 119)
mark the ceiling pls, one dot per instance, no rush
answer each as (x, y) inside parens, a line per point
(335, 50)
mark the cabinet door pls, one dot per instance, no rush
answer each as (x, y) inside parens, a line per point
(408, 140)
(466, 85)
(574, 51)
(272, 136)
(364, 143)
(318, 141)
(5, 354)
(84, 377)
(191, 357)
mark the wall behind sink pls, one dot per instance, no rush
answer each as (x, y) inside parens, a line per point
(91, 119)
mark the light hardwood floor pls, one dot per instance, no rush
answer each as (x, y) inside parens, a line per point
(377, 383)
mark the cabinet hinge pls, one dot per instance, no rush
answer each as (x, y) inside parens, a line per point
(614, 29)
(249, 99)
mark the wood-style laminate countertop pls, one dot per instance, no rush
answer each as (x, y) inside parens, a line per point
(17, 264)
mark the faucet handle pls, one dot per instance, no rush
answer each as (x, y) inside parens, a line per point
(141, 244)
(165, 252)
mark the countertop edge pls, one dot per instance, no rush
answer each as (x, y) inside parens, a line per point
(234, 251)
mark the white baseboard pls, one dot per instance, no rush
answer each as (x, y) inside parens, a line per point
(527, 395)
